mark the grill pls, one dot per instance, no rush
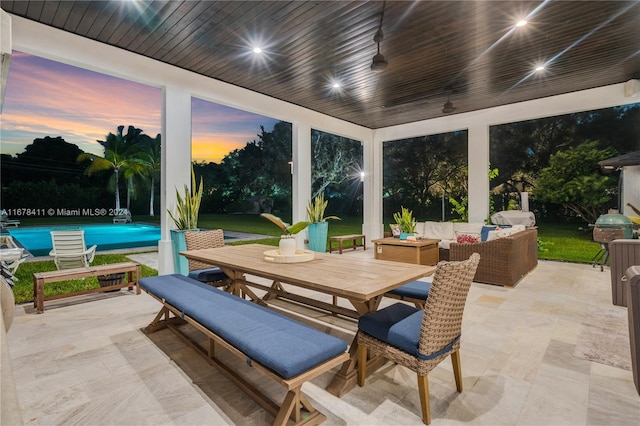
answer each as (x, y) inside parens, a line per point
(609, 227)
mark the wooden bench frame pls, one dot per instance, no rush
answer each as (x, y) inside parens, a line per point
(340, 239)
(42, 278)
(295, 406)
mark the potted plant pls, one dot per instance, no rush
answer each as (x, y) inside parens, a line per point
(287, 243)
(406, 222)
(319, 227)
(185, 219)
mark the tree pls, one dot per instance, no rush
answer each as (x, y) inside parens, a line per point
(418, 172)
(119, 155)
(573, 180)
(45, 159)
(150, 154)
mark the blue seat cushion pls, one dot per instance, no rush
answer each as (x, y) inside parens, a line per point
(399, 325)
(280, 343)
(414, 289)
(208, 275)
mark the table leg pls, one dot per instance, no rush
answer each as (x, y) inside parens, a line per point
(346, 378)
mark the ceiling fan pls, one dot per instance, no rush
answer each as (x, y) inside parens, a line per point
(379, 63)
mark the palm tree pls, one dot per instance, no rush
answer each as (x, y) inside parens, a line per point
(150, 155)
(119, 151)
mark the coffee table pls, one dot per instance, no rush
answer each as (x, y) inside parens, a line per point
(421, 252)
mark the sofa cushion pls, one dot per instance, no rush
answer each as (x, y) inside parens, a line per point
(507, 231)
(438, 230)
(467, 227)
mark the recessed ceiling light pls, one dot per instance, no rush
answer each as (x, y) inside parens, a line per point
(521, 23)
(257, 50)
(336, 85)
(540, 68)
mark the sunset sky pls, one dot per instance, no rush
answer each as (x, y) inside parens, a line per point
(48, 98)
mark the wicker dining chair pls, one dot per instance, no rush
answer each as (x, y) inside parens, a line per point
(421, 339)
(201, 271)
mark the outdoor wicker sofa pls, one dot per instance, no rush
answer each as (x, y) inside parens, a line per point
(507, 253)
(503, 261)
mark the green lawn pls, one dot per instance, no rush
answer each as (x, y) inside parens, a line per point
(566, 242)
(563, 242)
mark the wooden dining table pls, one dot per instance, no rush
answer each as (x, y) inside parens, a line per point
(362, 281)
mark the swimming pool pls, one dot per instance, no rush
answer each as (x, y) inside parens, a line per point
(106, 236)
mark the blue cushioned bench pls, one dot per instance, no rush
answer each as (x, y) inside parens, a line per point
(280, 347)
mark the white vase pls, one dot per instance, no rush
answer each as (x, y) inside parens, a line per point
(287, 245)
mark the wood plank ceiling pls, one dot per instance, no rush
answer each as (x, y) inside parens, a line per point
(471, 47)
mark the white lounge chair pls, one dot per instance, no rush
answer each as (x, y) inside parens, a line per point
(5, 221)
(69, 249)
(11, 254)
(122, 216)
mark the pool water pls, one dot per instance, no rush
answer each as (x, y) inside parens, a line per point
(106, 236)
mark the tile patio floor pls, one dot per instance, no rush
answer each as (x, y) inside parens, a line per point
(87, 362)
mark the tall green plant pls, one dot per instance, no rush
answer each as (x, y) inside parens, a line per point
(316, 208)
(404, 219)
(188, 205)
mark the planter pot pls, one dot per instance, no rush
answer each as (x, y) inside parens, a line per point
(404, 235)
(111, 280)
(318, 236)
(287, 245)
(178, 244)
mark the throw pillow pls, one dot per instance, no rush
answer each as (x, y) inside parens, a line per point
(485, 232)
(463, 238)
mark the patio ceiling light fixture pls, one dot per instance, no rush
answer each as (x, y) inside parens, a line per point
(379, 63)
(448, 106)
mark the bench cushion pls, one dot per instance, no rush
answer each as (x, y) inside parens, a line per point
(282, 344)
(413, 290)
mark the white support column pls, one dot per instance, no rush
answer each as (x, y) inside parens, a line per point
(630, 190)
(301, 186)
(478, 151)
(373, 161)
(176, 164)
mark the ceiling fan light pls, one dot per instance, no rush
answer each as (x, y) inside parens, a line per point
(379, 63)
(448, 107)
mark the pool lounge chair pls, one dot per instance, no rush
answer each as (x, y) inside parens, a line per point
(6, 222)
(69, 249)
(10, 254)
(123, 216)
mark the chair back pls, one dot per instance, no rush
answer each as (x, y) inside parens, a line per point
(442, 319)
(69, 249)
(197, 240)
(122, 216)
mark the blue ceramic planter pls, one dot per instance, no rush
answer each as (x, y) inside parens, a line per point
(178, 244)
(318, 233)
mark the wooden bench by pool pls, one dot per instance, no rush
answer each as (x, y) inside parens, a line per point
(42, 278)
(341, 239)
(281, 348)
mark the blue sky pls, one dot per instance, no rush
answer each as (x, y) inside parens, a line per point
(48, 98)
